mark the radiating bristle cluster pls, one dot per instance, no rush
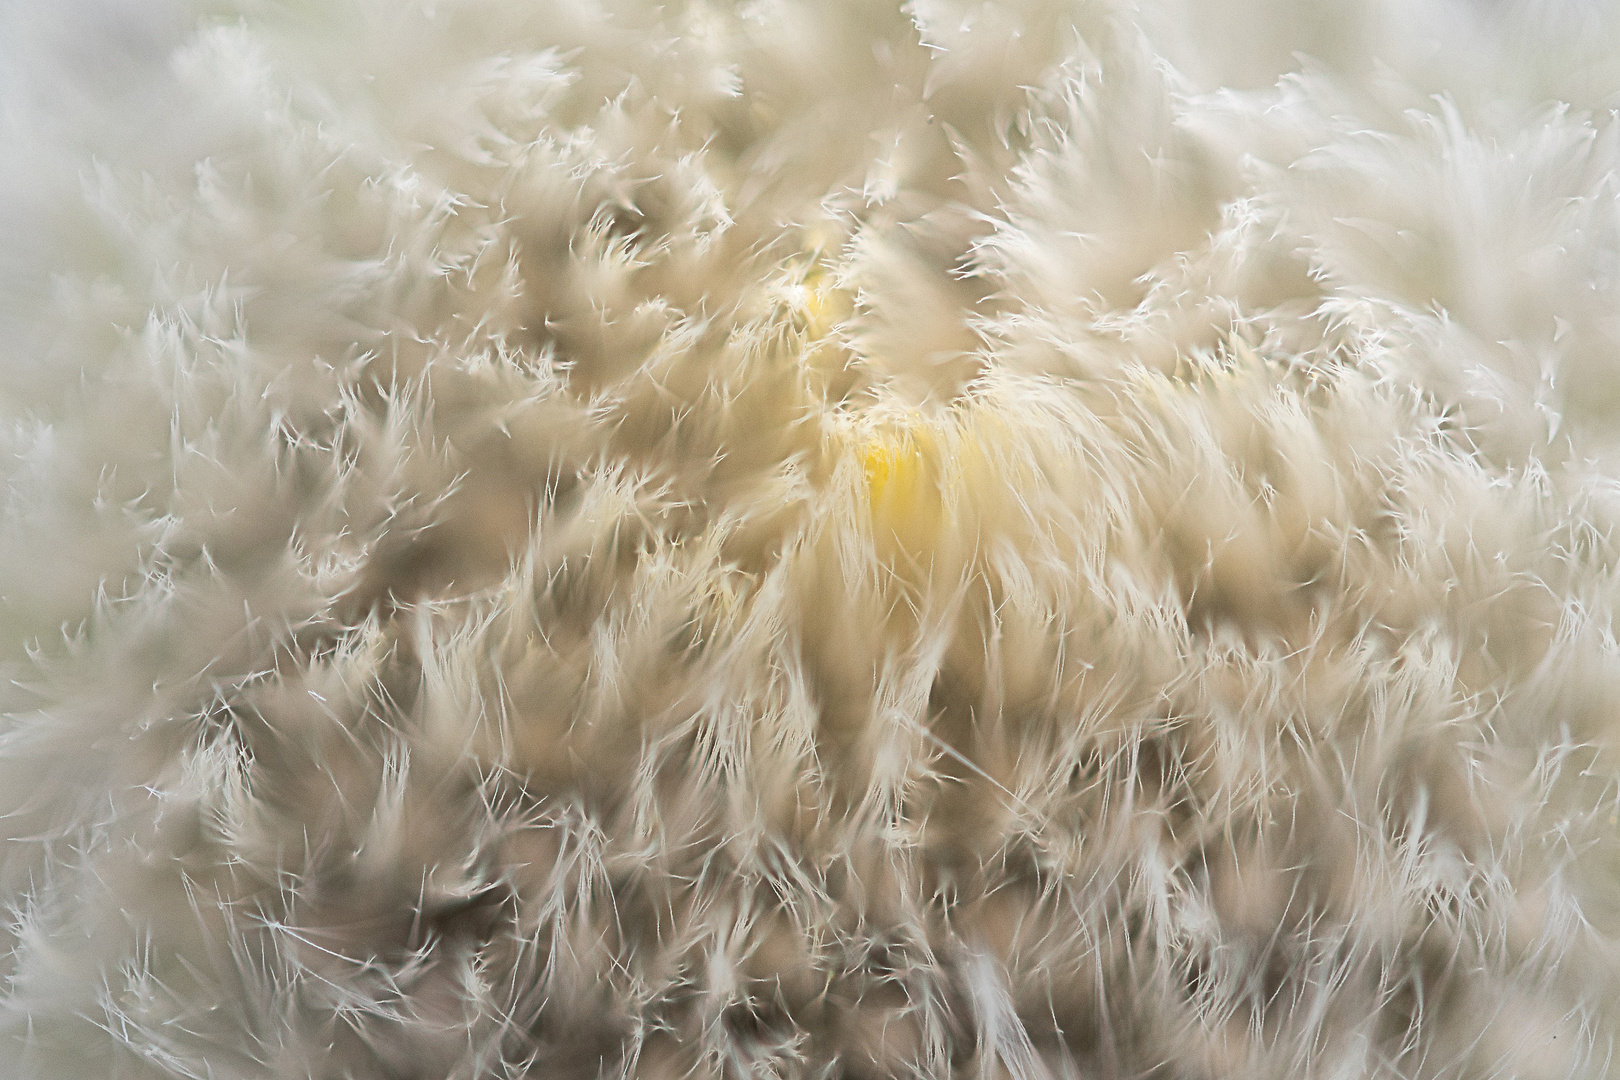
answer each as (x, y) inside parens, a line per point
(809, 538)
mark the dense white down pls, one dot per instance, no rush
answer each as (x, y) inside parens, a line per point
(809, 538)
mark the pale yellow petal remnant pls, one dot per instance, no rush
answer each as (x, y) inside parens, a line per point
(903, 477)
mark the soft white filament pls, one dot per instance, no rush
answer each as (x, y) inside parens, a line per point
(809, 538)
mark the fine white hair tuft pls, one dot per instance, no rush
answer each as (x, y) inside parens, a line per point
(1024, 539)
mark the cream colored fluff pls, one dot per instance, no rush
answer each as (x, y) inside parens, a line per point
(820, 538)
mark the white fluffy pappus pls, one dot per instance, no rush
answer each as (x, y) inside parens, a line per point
(809, 538)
